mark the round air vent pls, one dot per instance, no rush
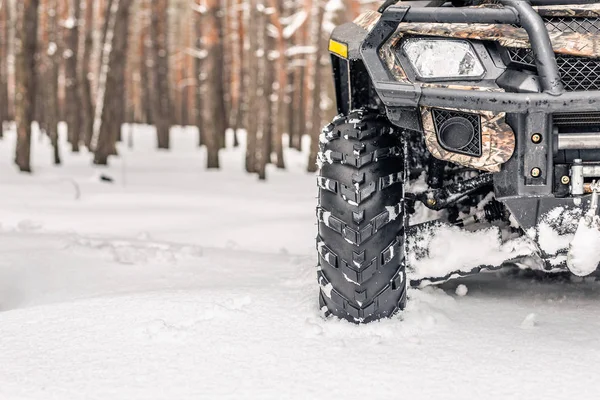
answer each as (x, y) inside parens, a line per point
(456, 133)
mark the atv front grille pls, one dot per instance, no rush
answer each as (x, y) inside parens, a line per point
(572, 25)
(470, 142)
(577, 119)
(577, 73)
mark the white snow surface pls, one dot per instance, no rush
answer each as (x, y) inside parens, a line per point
(452, 249)
(178, 283)
(584, 252)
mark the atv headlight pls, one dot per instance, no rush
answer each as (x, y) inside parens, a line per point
(443, 58)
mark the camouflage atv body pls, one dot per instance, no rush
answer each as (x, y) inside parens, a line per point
(486, 114)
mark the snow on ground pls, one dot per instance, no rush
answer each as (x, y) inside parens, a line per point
(177, 283)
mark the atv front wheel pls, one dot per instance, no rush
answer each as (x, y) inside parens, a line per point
(361, 218)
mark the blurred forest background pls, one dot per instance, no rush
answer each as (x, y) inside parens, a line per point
(260, 67)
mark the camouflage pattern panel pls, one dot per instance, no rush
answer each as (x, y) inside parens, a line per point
(388, 56)
(497, 141)
(570, 43)
(571, 10)
(367, 20)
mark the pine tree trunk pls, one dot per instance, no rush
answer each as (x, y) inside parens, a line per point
(71, 52)
(335, 18)
(265, 85)
(51, 81)
(87, 106)
(316, 33)
(235, 70)
(278, 102)
(161, 100)
(242, 107)
(25, 79)
(4, 35)
(146, 75)
(113, 97)
(226, 62)
(214, 109)
(198, 73)
(253, 86)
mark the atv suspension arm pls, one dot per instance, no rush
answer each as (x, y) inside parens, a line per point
(438, 199)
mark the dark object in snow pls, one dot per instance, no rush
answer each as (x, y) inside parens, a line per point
(106, 178)
(497, 103)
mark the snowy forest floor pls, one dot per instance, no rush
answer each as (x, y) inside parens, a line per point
(178, 283)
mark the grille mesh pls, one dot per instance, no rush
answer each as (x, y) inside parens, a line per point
(474, 147)
(577, 73)
(577, 25)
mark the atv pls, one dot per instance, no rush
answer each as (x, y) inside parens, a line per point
(469, 127)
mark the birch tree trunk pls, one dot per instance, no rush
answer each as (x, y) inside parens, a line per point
(161, 95)
(25, 50)
(70, 54)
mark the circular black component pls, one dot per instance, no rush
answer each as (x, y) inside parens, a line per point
(456, 133)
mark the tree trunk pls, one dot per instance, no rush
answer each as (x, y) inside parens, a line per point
(4, 35)
(213, 109)
(25, 79)
(51, 81)
(87, 106)
(253, 86)
(70, 54)
(198, 73)
(226, 52)
(161, 100)
(316, 33)
(235, 70)
(265, 82)
(296, 106)
(242, 106)
(277, 102)
(109, 115)
(146, 75)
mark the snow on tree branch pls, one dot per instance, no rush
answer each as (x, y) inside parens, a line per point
(294, 23)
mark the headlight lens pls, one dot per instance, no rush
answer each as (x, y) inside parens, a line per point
(443, 58)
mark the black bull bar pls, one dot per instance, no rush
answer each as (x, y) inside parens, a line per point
(515, 12)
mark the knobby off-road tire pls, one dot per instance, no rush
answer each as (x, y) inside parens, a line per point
(361, 221)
